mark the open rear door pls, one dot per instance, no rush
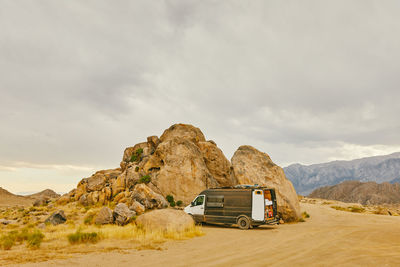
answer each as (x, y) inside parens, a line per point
(257, 211)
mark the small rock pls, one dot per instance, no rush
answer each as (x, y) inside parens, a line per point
(56, 218)
(137, 207)
(40, 202)
(7, 222)
(122, 214)
(105, 216)
(41, 226)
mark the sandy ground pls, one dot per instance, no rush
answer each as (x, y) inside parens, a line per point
(328, 238)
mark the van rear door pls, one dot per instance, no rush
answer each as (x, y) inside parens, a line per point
(257, 211)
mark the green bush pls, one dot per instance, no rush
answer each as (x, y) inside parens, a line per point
(179, 203)
(7, 242)
(145, 179)
(305, 215)
(35, 239)
(171, 200)
(79, 238)
(136, 156)
(89, 218)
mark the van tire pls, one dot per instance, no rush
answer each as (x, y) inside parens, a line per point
(243, 223)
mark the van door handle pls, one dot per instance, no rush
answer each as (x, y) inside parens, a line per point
(202, 208)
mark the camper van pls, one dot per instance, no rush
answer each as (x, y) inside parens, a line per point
(246, 206)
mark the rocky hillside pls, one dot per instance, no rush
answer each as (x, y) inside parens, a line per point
(377, 169)
(181, 163)
(47, 193)
(369, 193)
(9, 199)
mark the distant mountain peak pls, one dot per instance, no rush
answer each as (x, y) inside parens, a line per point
(384, 168)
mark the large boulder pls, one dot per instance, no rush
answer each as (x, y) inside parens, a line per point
(122, 214)
(251, 166)
(165, 220)
(216, 162)
(105, 216)
(56, 218)
(183, 131)
(177, 168)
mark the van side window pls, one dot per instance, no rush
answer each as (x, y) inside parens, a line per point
(199, 201)
(215, 201)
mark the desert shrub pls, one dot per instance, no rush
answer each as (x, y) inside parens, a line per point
(356, 209)
(301, 220)
(7, 242)
(35, 239)
(339, 208)
(171, 200)
(305, 215)
(89, 218)
(179, 203)
(137, 169)
(79, 237)
(144, 179)
(136, 156)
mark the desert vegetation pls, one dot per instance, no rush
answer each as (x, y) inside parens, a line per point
(383, 209)
(25, 237)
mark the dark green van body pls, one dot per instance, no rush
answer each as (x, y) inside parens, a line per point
(226, 205)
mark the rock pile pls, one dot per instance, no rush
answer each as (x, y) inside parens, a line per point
(180, 163)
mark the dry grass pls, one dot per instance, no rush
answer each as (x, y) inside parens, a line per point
(55, 244)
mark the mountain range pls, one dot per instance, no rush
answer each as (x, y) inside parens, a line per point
(376, 169)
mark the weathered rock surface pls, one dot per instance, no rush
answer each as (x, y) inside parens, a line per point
(178, 168)
(148, 198)
(165, 220)
(137, 207)
(40, 202)
(216, 162)
(56, 218)
(181, 163)
(251, 166)
(105, 216)
(122, 214)
(183, 131)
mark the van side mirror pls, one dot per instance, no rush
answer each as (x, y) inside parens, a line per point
(192, 203)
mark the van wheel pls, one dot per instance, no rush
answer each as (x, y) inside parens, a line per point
(244, 223)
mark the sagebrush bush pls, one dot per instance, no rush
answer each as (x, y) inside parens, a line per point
(35, 239)
(7, 242)
(79, 237)
(144, 179)
(171, 200)
(305, 215)
(179, 203)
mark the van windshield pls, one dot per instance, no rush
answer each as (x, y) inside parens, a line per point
(199, 201)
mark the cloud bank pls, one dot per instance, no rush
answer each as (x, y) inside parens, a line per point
(306, 82)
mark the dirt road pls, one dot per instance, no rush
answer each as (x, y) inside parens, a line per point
(328, 238)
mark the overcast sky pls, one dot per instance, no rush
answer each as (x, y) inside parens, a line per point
(304, 81)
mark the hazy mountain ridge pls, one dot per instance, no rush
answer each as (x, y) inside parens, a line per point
(377, 169)
(369, 193)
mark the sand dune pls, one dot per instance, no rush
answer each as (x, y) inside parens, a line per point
(329, 237)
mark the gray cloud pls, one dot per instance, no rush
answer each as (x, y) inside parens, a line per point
(79, 81)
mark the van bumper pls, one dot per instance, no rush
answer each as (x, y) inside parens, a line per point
(273, 221)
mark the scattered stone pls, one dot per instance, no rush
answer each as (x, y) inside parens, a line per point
(40, 202)
(137, 207)
(105, 216)
(7, 222)
(41, 226)
(148, 198)
(56, 218)
(165, 220)
(122, 214)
